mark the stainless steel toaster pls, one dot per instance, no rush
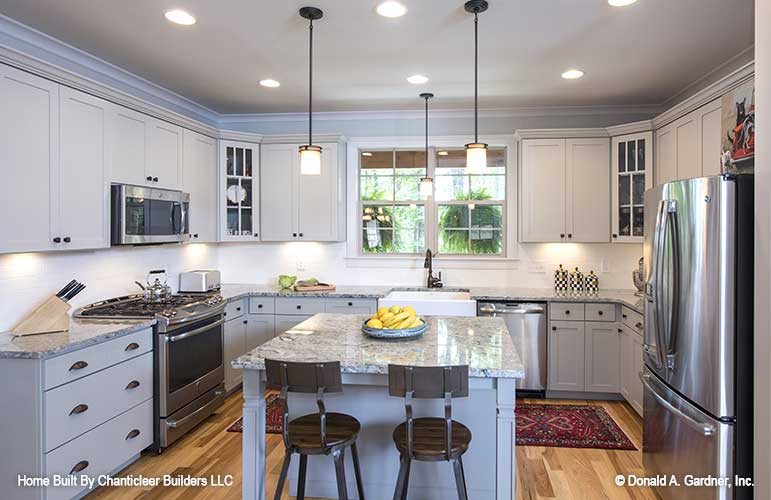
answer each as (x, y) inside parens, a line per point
(202, 280)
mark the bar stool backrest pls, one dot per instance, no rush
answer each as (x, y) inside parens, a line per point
(307, 378)
(428, 382)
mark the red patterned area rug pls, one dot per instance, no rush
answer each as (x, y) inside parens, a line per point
(274, 412)
(569, 426)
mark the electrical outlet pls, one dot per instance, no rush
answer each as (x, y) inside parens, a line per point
(301, 267)
(605, 265)
(536, 267)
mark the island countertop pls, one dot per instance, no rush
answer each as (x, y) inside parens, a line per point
(484, 344)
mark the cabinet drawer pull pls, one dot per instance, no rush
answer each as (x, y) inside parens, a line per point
(78, 365)
(567, 311)
(554, 328)
(350, 303)
(259, 306)
(238, 308)
(131, 435)
(132, 385)
(299, 307)
(149, 177)
(246, 321)
(599, 313)
(132, 347)
(81, 408)
(79, 467)
(638, 326)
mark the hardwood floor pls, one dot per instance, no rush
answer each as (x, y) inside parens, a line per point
(542, 473)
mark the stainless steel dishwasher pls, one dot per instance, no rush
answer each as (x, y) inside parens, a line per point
(526, 322)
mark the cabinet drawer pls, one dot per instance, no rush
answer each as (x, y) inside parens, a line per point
(291, 305)
(632, 319)
(600, 312)
(103, 449)
(72, 409)
(566, 311)
(77, 364)
(235, 309)
(351, 306)
(262, 305)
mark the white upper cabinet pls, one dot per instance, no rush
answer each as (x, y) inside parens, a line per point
(29, 154)
(84, 194)
(55, 144)
(565, 191)
(632, 165)
(542, 190)
(299, 207)
(200, 176)
(690, 146)
(239, 191)
(147, 151)
(587, 190)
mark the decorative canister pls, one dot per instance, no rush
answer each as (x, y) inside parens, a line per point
(561, 280)
(592, 282)
(576, 281)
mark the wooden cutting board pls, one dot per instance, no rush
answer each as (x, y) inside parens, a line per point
(321, 287)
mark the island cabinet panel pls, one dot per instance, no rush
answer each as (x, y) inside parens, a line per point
(234, 346)
(602, 357)
(566, 356)
(259, 329)
(631, 367)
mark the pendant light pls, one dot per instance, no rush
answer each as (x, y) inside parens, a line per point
(310, 155)
(426, 183)
(476, 152)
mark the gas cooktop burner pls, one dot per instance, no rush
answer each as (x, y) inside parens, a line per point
(177, 309)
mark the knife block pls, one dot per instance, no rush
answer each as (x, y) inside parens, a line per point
(49, 317)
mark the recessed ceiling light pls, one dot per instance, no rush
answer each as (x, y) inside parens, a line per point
(621, 3)
(572, 74)
(442, 153)
(178, 16)
(269, 82)
(417, 79)
(367, 153)
(391, 9)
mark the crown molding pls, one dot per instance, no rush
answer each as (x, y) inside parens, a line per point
(562, 133)
(35, 52)
(630, 128)
(447, 114)
(302, 138)
(235, 135)
(709, 93)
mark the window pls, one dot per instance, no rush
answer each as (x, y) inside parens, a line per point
(392, 213)
(464, 217)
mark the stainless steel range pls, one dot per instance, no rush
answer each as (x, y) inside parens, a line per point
(189, 375)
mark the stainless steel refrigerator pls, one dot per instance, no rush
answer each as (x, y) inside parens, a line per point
(698, 366)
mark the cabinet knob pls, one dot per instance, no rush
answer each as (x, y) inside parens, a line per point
(623, 316)
(195, 235)
(620, 330)
(246, 321)
(299, 307)
(149, 177)
(256, 235)
(301, 235)
(238, 308)
(350, 303)
(155, 179)
(562, 235)
(638, 326)
(554, 328)
(294, 235)
(259, 306)
(570, 235)
(67, 239)
(567, 312)
(57, 240)
(599, 313)
(614, 235)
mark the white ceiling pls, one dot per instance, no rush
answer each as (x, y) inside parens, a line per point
(641, 54)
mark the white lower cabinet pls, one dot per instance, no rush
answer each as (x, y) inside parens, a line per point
(234, 346)
(90, 423)
(631, 367)
(602, 357)
(566, 356)
(259, 329)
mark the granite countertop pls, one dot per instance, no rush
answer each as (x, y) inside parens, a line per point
(482, 343)
(82, 333)
(625, 297)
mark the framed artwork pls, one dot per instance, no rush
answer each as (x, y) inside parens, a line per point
(738, 127)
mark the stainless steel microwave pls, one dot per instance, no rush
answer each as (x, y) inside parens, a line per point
(142, 215)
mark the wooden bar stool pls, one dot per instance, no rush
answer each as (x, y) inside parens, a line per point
(318, 433)
(430, 439)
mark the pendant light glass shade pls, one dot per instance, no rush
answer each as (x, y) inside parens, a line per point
(476, 158)
(310, 160)
(426, 187)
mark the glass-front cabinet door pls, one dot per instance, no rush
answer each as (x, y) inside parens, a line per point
(632, 167)
(239, 203)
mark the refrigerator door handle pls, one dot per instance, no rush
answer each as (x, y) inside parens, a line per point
(705, 428)
(657, 276)
(671, 332)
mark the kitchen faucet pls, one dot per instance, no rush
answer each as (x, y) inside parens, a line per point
(432, 282)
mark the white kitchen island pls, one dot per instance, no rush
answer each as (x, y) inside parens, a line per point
(483, 344)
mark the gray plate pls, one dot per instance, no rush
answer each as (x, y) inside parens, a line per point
(404, 333)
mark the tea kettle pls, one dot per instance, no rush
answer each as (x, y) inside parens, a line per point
(156, 291)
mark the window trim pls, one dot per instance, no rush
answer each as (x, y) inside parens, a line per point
(355, 255)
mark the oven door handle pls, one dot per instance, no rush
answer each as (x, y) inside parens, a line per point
(182, 421)
(195, 332)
